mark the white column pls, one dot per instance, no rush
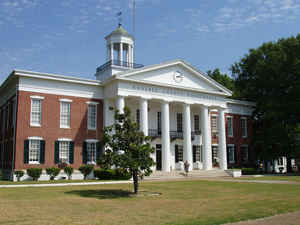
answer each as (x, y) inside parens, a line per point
(132, 54)
(112, 51)
(144, 115)
(129, 55)
(187, 147)
(165, 137)
(120, 104)
(206, 138)
(121, 53)
(222, 140)
(106, 113)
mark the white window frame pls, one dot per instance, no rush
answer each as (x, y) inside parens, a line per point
(68, 116)
(67, 142)
(34, 123)
(214, 125)
(244, 129)
(234, 159)
(88, 116)
(90, 142)
(229, 132)
(31, 141)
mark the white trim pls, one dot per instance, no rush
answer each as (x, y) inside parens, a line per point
(37, 97)
(92, 103)
(230, 145)
(91, 140)
(65, 100)
(64, 139)
(214, 144)
(35, 138)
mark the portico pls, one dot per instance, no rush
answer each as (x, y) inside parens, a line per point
(161, 119)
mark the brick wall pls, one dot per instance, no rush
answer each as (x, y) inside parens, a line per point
(50, 130)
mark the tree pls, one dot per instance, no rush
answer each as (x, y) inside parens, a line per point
(126, 147)
(223, 79)
(270, 76)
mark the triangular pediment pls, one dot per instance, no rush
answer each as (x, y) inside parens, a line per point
(176, 74)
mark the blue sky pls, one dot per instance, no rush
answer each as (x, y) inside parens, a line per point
(67, 36)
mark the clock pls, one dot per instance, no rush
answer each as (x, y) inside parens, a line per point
(178, 76)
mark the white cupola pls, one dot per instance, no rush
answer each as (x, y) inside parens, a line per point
(119, 54)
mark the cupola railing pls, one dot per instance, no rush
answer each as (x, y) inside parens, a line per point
(119, 63)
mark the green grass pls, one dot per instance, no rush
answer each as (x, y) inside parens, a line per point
(274, 177)
(2, 182)
(188, 202)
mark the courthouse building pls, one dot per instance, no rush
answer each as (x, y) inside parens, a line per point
(48, 118)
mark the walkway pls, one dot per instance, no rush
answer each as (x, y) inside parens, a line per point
(282, 219)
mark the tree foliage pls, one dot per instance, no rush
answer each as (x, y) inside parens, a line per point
(221, 78)
(126, 147)
(270, 76)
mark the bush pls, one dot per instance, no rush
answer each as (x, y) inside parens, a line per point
(52, 172)
(109, 174)
(34, 173)
(249, 171)
(86, 170)
(103, 174)
(1, 175)
(19, 174)
(69, 170)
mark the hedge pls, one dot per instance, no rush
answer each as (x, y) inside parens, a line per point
(112, 174)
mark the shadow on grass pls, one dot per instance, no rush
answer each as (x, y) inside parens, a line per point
(102, 194)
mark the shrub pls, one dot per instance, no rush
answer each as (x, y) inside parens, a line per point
(62, 165)
(109, 174)
(68, 170)
(52, 172)
(19, 174)
(1, 175)
(121, 174)
(249, 171)
(103, 174)
(34, 173)
(86, 170)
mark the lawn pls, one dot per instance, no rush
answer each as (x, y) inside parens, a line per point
(180, 202)
(274, 177)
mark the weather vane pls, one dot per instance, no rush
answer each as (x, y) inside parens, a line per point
(119, 15)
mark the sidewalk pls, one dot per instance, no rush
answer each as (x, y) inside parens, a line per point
(282, 219)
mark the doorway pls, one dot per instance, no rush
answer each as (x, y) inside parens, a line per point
(158, 157)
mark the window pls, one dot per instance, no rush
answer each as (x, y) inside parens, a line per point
(65, 112)
(280, 161)
(231, 154)
(214, 125)
(159, 122)
(229, 127)
(179, 122)
(138, 117)
(178, 153)
(36, 111)
(197, 153)
(91, 152)
(34, 151)
(244, 151)
(244, 127)
(92, 117)
(64, 147)
(196, 123)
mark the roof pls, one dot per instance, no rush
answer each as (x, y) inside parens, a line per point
(120, 31)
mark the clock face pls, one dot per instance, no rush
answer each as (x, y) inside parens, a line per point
(178, 76)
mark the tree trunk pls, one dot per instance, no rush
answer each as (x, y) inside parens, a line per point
(135, 182)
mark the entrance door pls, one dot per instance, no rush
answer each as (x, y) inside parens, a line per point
(215, 157)
(158, 157)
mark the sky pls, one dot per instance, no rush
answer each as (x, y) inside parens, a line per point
(67, 36)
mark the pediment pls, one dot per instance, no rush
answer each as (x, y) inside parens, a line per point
(177, 74)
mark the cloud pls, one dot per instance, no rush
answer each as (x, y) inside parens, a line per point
(239, 14)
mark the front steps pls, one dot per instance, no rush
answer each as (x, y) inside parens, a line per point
(181, 174)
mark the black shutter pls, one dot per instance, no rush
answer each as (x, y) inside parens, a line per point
(227, 151)
(42, 152)
(84, 153)
(56, 152)
(71, 152)
(176, 154)
(98, 151)
(26, 151)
